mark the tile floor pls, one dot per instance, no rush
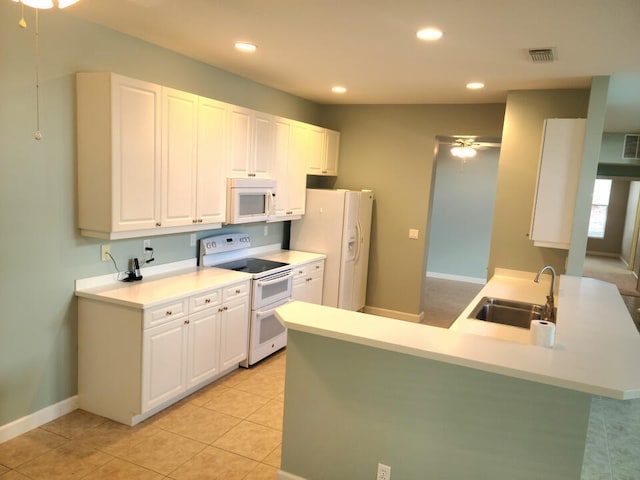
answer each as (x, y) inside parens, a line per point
(230, 430)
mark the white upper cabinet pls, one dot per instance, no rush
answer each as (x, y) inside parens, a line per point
(250, 143)
(153, 160)
(179, 150)
(289, 170)
(211, 179)
(119, 162)
(558, 175)
(321, 151)
(331, 153)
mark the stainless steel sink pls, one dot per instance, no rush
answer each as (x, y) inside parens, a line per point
(507, 312)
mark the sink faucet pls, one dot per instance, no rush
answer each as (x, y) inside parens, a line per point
(549, 308)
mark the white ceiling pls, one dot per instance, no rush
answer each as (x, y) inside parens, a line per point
(307, 46)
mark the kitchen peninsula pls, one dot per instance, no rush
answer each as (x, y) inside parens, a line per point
(437, 403)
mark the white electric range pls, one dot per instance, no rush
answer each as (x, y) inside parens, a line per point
(271, 287)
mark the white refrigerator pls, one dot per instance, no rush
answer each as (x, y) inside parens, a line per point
(338, 224)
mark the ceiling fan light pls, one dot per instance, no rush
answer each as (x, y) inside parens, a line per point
(43, 4)
(463, 152)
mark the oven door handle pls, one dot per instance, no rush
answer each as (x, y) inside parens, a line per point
(274, 280)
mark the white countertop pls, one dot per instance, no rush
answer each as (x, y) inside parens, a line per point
(293, 257)
(155, 290)
(171, 284)
(597, 348)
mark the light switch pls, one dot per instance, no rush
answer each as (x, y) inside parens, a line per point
(413, 233)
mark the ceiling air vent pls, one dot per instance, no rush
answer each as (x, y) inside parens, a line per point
(631, 149)
(542, 55)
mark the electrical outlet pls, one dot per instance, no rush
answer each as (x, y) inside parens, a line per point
(413, 233)
(192, 240)
(384, 472)
(105, 251)
(146, 243)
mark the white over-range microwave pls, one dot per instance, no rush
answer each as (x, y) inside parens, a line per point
(250, 199)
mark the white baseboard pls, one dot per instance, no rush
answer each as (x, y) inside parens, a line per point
(36, 419)
(282, 475)
(383, 312)
(457, 278)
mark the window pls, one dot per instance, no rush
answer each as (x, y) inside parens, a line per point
(599, 206)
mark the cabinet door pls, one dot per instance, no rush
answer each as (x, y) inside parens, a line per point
(299, 288)
(314, 287)
(211, 176)
(315, 149)
(558, 175)
(203, 357)
(296, 176)
(263, 145)
(179, 137)
(238, 141)
(234, 332)
(281, 159)
(163, 363)
(136, 175)
(332, 149)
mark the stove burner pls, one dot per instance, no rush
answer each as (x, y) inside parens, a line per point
(251, 265)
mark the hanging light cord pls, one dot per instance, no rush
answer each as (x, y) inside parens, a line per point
(37, 135)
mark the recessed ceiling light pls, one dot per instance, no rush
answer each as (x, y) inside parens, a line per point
(338, 89)
(475, 85)
(429, 34)
(245, 47)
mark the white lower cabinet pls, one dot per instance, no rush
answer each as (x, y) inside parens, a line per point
(308, 282)
(133, 362)
(163, 372)
(234, 333)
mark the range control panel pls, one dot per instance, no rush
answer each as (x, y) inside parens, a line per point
(224, 243)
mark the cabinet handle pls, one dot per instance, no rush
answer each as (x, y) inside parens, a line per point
(300, 272)
(193, 221)
(308, 279)
(251, 175)
(169, 312)
(238, 290)
(207, 300)
(186, 322)
(317, 267)
(158, 224)
(290, 212)
(224, 308)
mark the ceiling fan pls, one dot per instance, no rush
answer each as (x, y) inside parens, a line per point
(467, 147)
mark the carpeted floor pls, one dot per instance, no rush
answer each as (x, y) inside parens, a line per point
(612, 270)
(444, 300)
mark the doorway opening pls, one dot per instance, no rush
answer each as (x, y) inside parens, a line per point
(459, 226)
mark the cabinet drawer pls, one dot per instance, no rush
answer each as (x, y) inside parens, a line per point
(204, 300)
(165, 313)
(235, 291)
(316, 266)
(300, 271)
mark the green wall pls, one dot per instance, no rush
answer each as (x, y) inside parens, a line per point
(462, 214)
(391, 150)
(517, 174)
(348, 407)
(42, 253)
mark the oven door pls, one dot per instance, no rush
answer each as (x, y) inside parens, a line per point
(267, 333)
(271, 289)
